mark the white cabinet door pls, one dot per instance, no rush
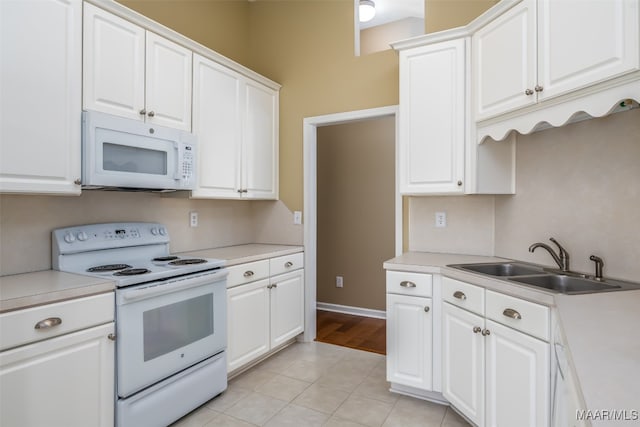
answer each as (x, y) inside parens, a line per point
(248, 323)
(432, 118)
(40, 109)
(260, 142)
(409, 341)
(287, 306)
(517, 378)
(114, 64)
(584, 42)
(217, 124)
(463, 362)
(168, 83)
(64, 381)
(504, 62)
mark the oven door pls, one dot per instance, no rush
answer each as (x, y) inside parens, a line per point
(165, 327)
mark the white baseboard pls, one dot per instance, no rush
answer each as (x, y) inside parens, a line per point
(346, 309)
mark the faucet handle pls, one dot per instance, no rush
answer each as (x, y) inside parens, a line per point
(560, 248)
(563, 255)
(599, 266)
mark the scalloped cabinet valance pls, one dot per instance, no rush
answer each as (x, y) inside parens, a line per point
(527, 65)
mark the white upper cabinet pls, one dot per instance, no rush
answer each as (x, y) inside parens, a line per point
(40, 105)
(134, 73)
(432, 118)
(236, 122)
(542, 49)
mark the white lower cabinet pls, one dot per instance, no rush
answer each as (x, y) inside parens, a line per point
(65, 379)
(265, 307)
(496, 375)
(410, 330)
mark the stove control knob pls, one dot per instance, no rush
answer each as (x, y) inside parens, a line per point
(69, 238)
(82, 236)
(163, 231)
(154, 231)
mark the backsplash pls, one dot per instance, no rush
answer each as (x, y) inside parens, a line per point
(579, 183)
(26, 222)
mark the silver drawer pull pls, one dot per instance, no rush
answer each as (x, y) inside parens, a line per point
(509, 312)
(288, 264)
(460, 295)
(248, 273)
(48, 323)
(407, 284)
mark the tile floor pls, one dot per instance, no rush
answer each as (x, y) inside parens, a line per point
(317, 384)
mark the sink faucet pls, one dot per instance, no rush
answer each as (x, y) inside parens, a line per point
(561, 258)
(599, 265)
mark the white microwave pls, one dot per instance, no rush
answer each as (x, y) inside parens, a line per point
(125, 153)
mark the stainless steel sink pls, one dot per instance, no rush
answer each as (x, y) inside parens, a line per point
(565, 284)
(501, 269)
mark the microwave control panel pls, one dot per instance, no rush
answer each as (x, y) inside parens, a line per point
(187, 163)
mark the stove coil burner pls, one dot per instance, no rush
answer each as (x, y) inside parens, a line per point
(132, 272)
(108, 267)
(164, 258)
(188, 261)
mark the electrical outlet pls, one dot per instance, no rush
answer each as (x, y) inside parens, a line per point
(297, 217)
(441, 219)
(339, 282)
(193, 219)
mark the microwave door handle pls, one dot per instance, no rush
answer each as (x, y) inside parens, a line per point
(176, 175)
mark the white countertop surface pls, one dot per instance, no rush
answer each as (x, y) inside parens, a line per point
(603, 335)
(241, 254)
(44, 287)
(602, 330)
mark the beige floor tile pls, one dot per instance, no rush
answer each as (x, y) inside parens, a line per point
(342, 380)
(377, 388)
(231, 395)
(256, 408)
(224, 420)
(197, 418)
(305, 370)
(341, 422)
(364, 410)
(252, 378)
(282, 387)
(409, 412)
(297, 416)
(321, 399)
(452, 419)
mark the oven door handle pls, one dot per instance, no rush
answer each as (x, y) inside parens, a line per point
(127, 296)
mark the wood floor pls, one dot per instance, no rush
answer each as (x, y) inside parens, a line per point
(362, 333)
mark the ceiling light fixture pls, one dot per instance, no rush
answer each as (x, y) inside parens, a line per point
(367, 10)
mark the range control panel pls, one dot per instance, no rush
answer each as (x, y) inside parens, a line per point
(92, 237)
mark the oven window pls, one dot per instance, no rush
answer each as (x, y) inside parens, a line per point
(123, 158)
(173, 326)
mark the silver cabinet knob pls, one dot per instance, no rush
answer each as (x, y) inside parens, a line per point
(459, 295)
(459, 183)
(477, 329)
(426, 309)
(151, 114)
(143, 112)
(486, 332)
(48, 323)
(511, 313)
(407, 284)
(77, 181)
(538, 88)
(248, 273)
(112, 337)
(528, 92)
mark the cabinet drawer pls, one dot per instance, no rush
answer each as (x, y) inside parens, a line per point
(465, 295)
(418, 284)
(248, 272)
(19, 327)
(525, 316)
(286, 263)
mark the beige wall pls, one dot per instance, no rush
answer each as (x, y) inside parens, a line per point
(376, 39)
(445, 14)
(26, 222)
(356, 225)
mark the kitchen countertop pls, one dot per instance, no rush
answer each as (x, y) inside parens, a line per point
(601, 330)
(241, 254)
(44, 287)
